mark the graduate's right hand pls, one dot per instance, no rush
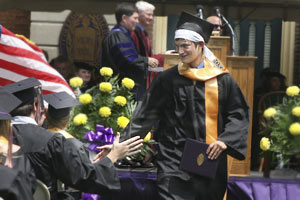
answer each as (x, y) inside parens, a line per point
(126, 148)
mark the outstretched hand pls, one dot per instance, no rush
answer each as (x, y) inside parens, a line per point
(120, 150)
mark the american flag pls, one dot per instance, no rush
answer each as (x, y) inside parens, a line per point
(21, 59)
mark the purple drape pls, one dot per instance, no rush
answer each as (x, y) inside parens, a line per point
(243, 188)
(135, 185)
(142, 185)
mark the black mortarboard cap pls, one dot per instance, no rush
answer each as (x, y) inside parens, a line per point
(191, 22)
(82, 65)
(24, 90)
(60, 104)
(8, 102)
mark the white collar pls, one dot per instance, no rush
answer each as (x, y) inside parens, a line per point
(23, 120)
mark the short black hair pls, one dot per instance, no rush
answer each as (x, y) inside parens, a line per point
(24, 110)
(124, 9)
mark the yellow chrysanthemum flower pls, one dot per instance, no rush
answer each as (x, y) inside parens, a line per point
(122, 121)
(104, 111)
(269, 113)
(292, 91)
(80, 119)
(85, 98)
(76, 82)
(128, 83)
(296, 111)
(106, 71)
(105, 87)
(120, 100)
(147, 137)
(264, 144)
(295, 128)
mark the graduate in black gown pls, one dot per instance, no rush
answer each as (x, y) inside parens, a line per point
(119, 51)
(17, 176)
(53, 156)
(195, 99)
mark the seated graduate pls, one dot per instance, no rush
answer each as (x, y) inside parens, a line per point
(58, 113)
(57, 119)
(17, 175)
(54, 157)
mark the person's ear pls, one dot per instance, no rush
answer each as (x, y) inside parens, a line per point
(124, 18)
(201, 44)
(34, 107)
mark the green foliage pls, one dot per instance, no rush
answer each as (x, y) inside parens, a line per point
(277, 129)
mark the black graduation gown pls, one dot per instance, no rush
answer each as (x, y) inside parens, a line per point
(17, 183)
(120, 53)
(54, 157)
(179, 105)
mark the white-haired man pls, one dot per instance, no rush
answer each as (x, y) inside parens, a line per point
(140, 35)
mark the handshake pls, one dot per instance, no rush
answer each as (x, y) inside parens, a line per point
(119, 150)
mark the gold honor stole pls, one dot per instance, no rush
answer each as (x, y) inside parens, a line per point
(208, 74)
(63, 132)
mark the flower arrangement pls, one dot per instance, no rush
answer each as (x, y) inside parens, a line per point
(107, 104)
(282, 127)
(106, 108)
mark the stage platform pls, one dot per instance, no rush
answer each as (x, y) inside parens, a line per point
(139, 183)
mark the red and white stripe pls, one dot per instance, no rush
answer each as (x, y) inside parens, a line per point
(19, 59)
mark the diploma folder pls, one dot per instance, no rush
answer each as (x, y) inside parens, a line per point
(194, 159)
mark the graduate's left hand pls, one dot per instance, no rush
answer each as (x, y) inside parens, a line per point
(215, 149)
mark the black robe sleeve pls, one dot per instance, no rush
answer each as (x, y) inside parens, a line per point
(71, 164)
(235, 118)
(149, 110)
(54, 157)
(119, 52)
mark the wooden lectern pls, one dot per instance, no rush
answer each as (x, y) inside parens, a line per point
(220, 46)
(242, 70)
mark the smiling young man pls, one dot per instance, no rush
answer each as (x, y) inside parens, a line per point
(119, 51)
(195, 99)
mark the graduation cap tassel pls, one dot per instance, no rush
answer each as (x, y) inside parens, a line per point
(9, 162)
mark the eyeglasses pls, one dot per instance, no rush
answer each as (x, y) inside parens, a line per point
(218, 26)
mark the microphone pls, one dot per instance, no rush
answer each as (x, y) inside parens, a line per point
(199, 10)
(218, 12)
